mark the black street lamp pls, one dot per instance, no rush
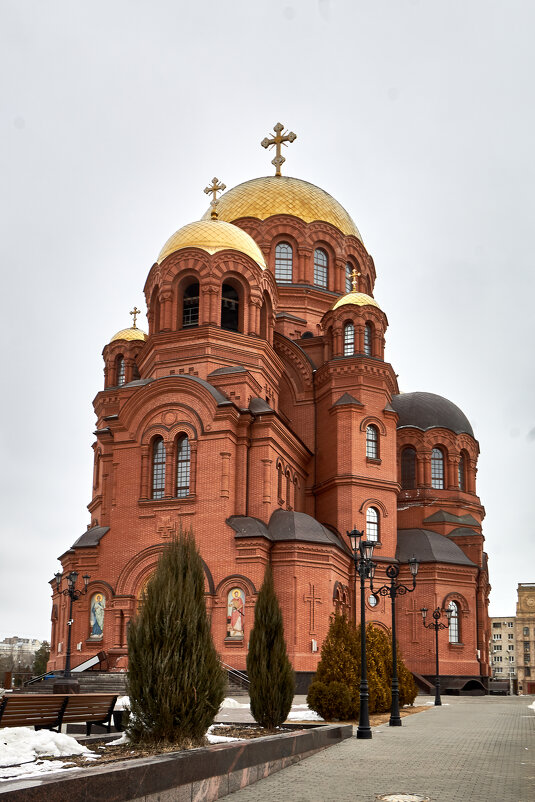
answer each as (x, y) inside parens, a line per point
(73, 594)
(436, 625)
(393, 590)
(365, 568)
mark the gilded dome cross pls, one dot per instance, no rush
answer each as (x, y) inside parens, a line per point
(212, 190)
(135, 312)
(355, 275)
(276, 141)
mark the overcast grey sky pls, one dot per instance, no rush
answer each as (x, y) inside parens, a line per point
(417, 116)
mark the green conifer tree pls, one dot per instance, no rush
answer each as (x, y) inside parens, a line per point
(334, 693)
(268, 667)
(175, 680)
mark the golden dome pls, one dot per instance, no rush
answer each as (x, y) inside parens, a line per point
(264, 197)
(212, 236)
(129, 334)
(357, 298)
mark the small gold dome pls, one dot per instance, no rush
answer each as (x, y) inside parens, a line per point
(357, 298)
(213, 236)
(129, 334)
(264, 197)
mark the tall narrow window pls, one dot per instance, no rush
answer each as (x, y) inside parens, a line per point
(368, 338)
(372, 524)
(462, 473)
(283, 263)
(408, 468)
(349, 282)
(183, 463)
(121, 372)
(454, 622)
(190, 308)
(135, 371)
(288, 490)
(372, 442)
(279, 483)
(320, 268)
(158, 468)
(230, 308)
(349, 339)
(437, 469)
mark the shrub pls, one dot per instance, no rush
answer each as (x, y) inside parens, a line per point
(175, 680)
(271, 677)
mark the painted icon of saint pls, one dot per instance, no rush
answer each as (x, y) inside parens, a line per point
(98, 604)
(236, 613)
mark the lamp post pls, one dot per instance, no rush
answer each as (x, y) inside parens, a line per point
(365, 568)
(74, 594)
(393, 590)
(436, 624)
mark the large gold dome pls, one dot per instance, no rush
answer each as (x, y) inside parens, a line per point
(264, 197)
(212, 236)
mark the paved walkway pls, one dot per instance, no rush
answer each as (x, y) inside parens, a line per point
(472, 749)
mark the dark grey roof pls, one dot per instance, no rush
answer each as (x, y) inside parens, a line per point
(429, 411)
(228, 369)
(347, 398)
(259, 406)
(91, 538)
(448, 517)
(463, 531)
(286, 525)
(429, 547)
(221, 399)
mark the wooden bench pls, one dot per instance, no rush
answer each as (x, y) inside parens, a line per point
(50, 711)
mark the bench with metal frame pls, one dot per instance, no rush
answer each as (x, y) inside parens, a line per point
(51, 711)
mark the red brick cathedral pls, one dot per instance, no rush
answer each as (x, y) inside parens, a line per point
(260, 412)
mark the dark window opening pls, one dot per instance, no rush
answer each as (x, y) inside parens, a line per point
(408, 469)
(190, 312)
(230, 308)
(158, 468)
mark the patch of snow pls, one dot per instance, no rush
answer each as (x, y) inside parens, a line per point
(122, 703)
(123, 739)
(228, 702)
(303, 715)
(21, 750)
(532, 706)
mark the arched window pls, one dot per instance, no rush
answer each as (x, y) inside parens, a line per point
(437, 469)
(183, 464)
(454, 622)
(462, 472)
(372, 524)
(230, 308)
(190, 307)
(320, 268)
(120, 370)
(372, 442)
(279, 483)
(288, 490)
(349, 280)
(368, 339)
(408, 468)
(158, 468)
(349, 339)
(283, 263)
(135, 371)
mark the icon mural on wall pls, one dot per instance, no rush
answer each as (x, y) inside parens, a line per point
(96, 618)
(235, 613)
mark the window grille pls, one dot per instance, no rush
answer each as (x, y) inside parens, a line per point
(349, 281)
(349, 339)
(158, 468)
(121, 371)
(190, 312)
(183, 463)
(437, 469)
(368, 336)
(461, 474)
(320, 268)
(372, 442)
(454, 624)
(283, 263)
(372, 524)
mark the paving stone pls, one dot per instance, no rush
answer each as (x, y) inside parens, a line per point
(480, 749)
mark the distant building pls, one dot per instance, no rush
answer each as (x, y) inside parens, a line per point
(502, 649)
(525, 637)
(21, 649)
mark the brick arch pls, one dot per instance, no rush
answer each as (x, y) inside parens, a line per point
(374, 502)
(139, 568)
(456, 597)
(369, 420)
(232, 580)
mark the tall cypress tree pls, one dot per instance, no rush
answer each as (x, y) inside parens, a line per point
(175, 680)
(269, 669)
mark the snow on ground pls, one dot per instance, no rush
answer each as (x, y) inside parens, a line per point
(22, 750)
(212, 738)
(228, 702)
(122, 703)
(532, 706)
(303, 715)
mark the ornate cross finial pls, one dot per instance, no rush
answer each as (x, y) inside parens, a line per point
(355, 275)
(278, 140)
(135, 312)
(212, 190)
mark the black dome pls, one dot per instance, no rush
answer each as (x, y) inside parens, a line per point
(429, 411)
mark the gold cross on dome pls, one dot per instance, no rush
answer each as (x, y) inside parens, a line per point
(355, 275)
(276, 141)
(135, 312)
(212, 190)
